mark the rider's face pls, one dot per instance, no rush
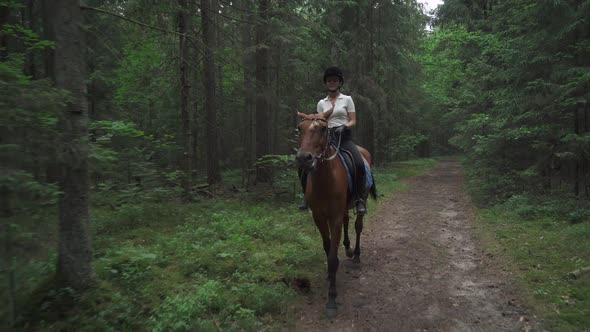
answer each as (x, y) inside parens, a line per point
(332, 83)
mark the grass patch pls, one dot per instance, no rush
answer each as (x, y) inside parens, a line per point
(545, 239)
(228, 263)
(387, 177)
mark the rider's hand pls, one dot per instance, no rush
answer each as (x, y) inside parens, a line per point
(340, 129)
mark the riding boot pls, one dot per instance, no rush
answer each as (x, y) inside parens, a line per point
(361, 206)
(359, 190)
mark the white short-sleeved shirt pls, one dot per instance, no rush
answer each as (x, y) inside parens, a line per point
(342, 107)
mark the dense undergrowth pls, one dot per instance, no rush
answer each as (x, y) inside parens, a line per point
(545, 238)
(231, 263)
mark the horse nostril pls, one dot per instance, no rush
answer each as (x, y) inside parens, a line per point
(304, 157)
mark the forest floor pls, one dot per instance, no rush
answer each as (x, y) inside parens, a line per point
(423, 268)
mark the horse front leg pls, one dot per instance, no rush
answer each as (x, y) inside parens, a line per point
(346, 242)
(322, 224)
(333, 262)
(358, 226)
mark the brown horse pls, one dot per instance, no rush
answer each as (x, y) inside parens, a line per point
(327, 193)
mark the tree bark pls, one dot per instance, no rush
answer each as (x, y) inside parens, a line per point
(74, 268)
(49, 34)
(28, 21)
(7, 253)
(4, 18)
(185, 27)
(223, 140)
(370, 28)
(262, 89)
(52, 170)
(207, 27)
(577, 161)
(249, 97)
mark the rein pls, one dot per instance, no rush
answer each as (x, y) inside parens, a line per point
(321, 157)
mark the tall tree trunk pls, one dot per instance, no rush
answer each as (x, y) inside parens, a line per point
(249, 97)
(195, 135)
(207, 27)
(185, 27)
(262, 89)
(52, 170)
(577, 161)
(7, 254)
(586, 163)
(74, 268)
(370, 28)
(31, 23)
(220, 106)
(278, 99)
(4, 19)
(49, 34)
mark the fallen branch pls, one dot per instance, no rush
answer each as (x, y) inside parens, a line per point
(579, 273)
(134, 21)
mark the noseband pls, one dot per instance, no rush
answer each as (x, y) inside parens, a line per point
(322, 156)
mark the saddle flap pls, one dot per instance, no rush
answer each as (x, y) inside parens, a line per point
(348, 162)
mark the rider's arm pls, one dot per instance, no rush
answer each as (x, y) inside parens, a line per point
(351, 120)
(351, 113)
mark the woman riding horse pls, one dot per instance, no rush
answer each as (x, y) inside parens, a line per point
(326, 186)
(340, 122)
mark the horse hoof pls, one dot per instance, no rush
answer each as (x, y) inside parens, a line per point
(356, 260)
(331, 312)
(349, 253)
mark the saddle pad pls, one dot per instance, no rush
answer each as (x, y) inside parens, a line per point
(348, 167)
(369, 180)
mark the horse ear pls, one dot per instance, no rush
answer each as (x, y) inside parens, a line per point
(328, 113)
(301, 115)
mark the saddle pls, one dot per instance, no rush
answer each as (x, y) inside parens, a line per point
(348, 163)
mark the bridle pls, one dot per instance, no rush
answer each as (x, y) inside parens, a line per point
(322, 156)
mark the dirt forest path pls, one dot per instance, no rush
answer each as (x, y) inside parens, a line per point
(421, 268)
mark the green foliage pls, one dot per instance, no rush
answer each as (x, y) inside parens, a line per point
(511, 81)
(29, 38)
(404, 146)
(279, 166)
(536, 234)
(29, 111)
(559, 208)
(230, 264)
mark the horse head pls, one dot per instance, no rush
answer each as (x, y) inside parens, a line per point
(313, 139)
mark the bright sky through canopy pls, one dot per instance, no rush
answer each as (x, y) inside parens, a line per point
(431, 4)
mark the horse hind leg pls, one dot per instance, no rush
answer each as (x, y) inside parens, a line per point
(358, 226)
(349, 252)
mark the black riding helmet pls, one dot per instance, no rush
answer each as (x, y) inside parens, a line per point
(334, 71)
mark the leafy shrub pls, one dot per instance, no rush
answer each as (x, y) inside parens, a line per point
(535, 207)
(189, 312)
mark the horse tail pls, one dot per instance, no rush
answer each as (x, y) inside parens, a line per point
(373, 189)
